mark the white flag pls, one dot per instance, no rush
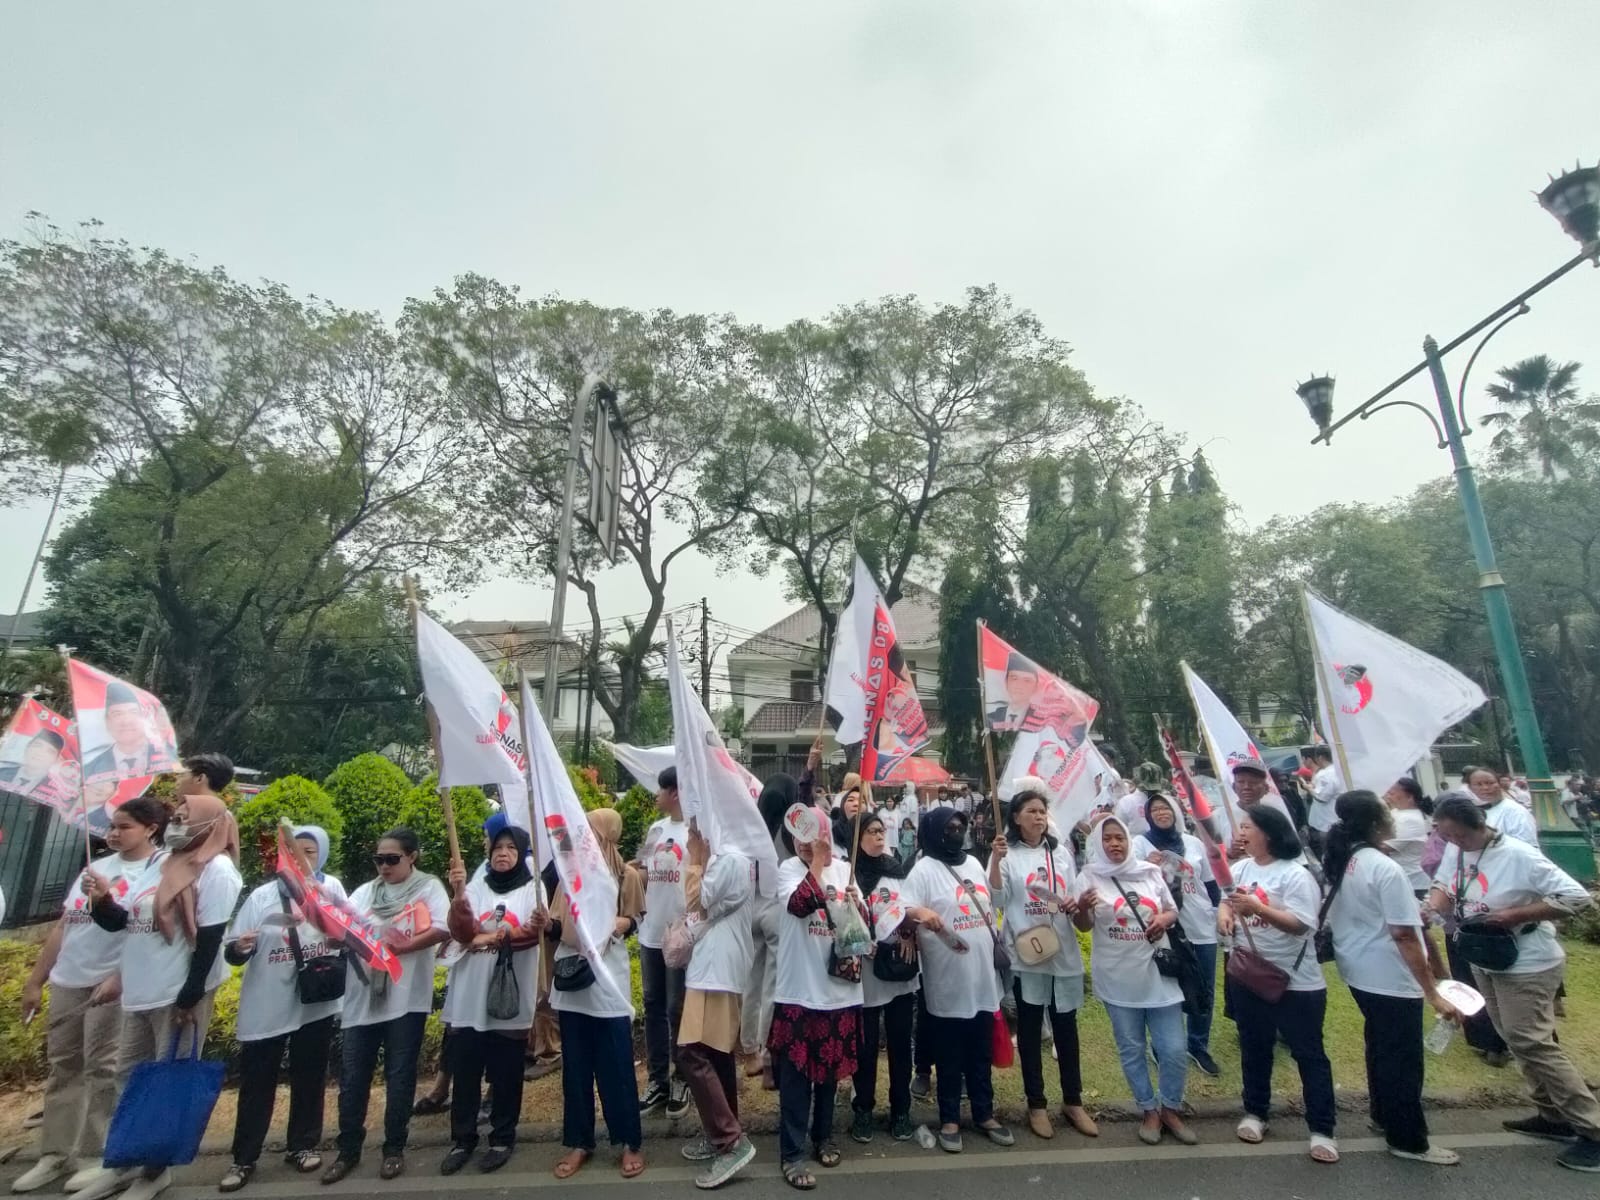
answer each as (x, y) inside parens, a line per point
(847, 697)
(586, 879)
(1229, 744)
(717, 793)
(1386, 702)
(645, 762)
(479, 738)
(1076, 780)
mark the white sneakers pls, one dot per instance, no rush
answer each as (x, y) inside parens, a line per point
(43, 1173)
(90, 1180)
(148, 1189)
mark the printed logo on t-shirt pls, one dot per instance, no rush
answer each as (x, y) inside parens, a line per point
(1256, 921)
(142, 911)
(1125, 926)
(282, 954)
(972, 897)
(1044, 880)
(1473, 893)
(77, 912)
(666, 864)
(817, 923)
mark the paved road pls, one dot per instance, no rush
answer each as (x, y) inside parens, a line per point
(1497, 1166)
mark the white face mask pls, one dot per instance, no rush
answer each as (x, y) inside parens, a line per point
(179, 836)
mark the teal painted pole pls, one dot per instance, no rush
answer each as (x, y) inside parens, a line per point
(1558, 837)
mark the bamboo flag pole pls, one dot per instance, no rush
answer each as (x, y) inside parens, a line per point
(83, 809)
(433, 736)
(1322, 689)
(527, 775)
(988, 740)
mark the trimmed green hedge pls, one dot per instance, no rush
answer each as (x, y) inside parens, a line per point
(369, 792)
(423, 814)
(301, 800)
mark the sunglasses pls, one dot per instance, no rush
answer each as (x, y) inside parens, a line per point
(387, 860)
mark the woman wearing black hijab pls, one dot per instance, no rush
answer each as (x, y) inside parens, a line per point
(889, 987)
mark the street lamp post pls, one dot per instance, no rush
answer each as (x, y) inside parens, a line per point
(1574, 199)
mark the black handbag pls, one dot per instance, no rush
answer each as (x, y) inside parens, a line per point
(1176, 960)
(317, 980)
(571, 974)
(503, 1001)
(1491, 947)
(888, 964)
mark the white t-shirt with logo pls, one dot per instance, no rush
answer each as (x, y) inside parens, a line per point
(1511, 819)
(269, 997)
(1050, 872)
(153, 969)
(1198, 916)
(89, 955)
(887, 897)
(1406, 846)
(1326, 788)
(724, 947)
(803, 945)
(413, 991)
(955, 986)
(1283, 884)
(1375, 895)
(662, 856)
(610, 995)
(1510, 874)
(1122, 965)
(466, 1001)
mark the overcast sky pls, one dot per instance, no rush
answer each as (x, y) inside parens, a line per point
(1209, 201)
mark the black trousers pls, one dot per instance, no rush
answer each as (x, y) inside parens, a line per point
(662, 988)
(964, 1050)
(474, 1057)
(805, 1110)
(895, 1018)
(1480, 1032)
(1298, 1018)
(1392, 1029)
(259, 1063)
(597, 1056)
(922, 1055)
(1030, 1050)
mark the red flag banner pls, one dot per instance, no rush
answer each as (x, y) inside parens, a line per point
(39, 758)
(1202, 810)
(123, 731)
(897, 727)
(338, 921)
(1019, 696)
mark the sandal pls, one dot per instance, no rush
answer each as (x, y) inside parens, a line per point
(1252, 1130)
(571, 1163)
(798, 1176)
(1324, 1149)
(632, 1164)
(828, 1155)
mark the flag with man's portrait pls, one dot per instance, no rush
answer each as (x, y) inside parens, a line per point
(39, 757)
(123, 731)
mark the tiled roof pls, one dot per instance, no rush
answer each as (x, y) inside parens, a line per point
(803, 717)
(797, 636)
(30, 627)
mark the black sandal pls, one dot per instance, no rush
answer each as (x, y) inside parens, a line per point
(798, 1176)
(828, 1155)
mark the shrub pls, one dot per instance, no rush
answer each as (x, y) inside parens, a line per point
(605, 766)
(586, 782)
(369, 792)
(295, 797)
(423, 814)
(639, 812)
(21, 1046)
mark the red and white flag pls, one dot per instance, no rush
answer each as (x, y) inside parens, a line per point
(39, 758)
(871, 696)
(717, 793)
(1385, 702)
(590, 887)
(125, 739)
(1229, 745)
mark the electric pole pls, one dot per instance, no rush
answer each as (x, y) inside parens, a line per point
(705, 654)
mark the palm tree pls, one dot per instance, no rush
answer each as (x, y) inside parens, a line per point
(1540, 418)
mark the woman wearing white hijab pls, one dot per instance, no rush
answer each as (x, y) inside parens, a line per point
(1126, 904)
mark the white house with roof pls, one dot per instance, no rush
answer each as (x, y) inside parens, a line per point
(775, 679)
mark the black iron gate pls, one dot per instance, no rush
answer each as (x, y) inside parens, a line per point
(39, 856)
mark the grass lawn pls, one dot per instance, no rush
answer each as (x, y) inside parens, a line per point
(1459, 1071)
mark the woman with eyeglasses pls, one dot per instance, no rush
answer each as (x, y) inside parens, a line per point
(410, 911)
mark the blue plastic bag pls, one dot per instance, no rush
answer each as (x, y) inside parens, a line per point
(162, 1113)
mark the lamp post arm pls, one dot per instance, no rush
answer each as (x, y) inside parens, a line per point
(1587, 254)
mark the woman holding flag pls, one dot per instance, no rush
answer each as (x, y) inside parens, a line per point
(1125, 903)
(1033, 879)
(1272, 915)
(888, 985)
(596, 1016)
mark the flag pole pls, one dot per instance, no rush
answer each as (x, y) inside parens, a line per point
(527, 775)
(88, 845)
(988, 741)
(1211, 748)
(1322, 688)
(433, 736)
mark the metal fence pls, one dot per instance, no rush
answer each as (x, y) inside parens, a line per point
(39, 857)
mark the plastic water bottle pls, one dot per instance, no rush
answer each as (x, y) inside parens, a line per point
(925, 1138)
(1438, 1039)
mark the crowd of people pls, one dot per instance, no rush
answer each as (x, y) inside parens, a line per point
(923, 954)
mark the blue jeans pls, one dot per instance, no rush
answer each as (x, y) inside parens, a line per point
(400, 1040)
(1128, 1026)
(1200, 1023)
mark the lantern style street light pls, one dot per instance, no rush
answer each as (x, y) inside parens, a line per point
(1574, 200)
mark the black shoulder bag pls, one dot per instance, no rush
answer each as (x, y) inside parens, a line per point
(1491, 947)
(318, 980)
(1175, 960)
(888, 964)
